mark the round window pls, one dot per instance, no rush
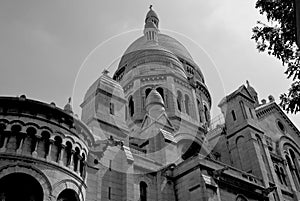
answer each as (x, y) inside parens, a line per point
(280, 126)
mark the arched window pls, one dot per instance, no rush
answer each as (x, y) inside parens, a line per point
(293, 171)
(179, 100)
(76, 157)
(277, 171)
(147, 92)
(20, 186)
(68, 153)
(283, 176)
(199, 110)
(296, 166)
(251, 114)
(206, 114)
(68, 195)
(112, 108)
(187, 104)
(243, 109)
(143, 191)
(161, 92)
(233, 115)
(131, 106)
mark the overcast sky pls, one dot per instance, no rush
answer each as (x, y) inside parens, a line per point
(51, 50)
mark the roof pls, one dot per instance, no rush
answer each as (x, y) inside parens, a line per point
(166, 42)
(242, 90)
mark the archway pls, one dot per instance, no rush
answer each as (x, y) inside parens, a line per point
(20, 186)
(68, 195)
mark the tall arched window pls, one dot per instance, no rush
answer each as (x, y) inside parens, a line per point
(199, 110)
(233, 115)
(277, 171)
(283, 176)
(161, 92)
(143, 191)
(243, 109)
(187, 104)
(131, 106)
(296, 166)
(206, 113)
(293, 171)
(147, 92)
(179, 100)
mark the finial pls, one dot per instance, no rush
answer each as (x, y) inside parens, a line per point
(150, 7)
(68, 107)
(105, 72)
(247, 82)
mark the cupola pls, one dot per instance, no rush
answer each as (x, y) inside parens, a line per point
(151, 26)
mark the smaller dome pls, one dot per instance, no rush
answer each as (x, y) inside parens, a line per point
(154, 98)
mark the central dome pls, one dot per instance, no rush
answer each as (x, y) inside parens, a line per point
(164, 41)
(155, 47)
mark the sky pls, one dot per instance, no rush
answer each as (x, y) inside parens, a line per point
(52, 50)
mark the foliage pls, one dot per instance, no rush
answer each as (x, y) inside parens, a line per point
(277, 37)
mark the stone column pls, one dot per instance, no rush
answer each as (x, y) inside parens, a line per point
(34, 153)
(71, 166)
(61, 154)
(3, 149)
(48, 155)
(19, 150)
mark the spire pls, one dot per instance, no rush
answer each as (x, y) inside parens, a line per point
(253, 93)
(154, 98)
(151, 26)
(155, 104)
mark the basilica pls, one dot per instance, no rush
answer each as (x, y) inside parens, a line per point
(146, 134)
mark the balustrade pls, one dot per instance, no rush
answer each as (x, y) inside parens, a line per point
(43, 146)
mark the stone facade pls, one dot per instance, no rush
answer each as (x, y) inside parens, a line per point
(146, 134)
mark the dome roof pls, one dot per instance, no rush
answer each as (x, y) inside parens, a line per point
(106, 83)
(164, 41)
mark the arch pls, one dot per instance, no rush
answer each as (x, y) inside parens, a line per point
(206, 113)
(240, 150)
(44, 144)
(160, 90)
(233, 115)
(20, 186)
(179, 100)
(286, 141)
(76, 159)
(147, 92)
(199, 110)
(131, 106)
(68, 195)
(277, 171)
(56, 148)
(29, 170)
(283, 175)
(143, 191)
(187, 104)
(243, 109)
(68, 184)
(68, 154)
(292, 169)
